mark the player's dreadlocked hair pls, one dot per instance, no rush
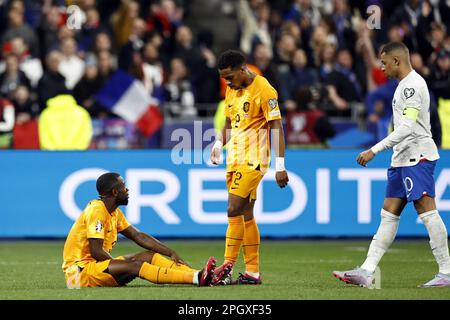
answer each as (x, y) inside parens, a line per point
(394, 46)
(106, 182)
(231, 59)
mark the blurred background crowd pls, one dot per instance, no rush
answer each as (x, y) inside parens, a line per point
(321, 56)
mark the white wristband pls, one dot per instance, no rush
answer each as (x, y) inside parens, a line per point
(218, 144)
(279, 164)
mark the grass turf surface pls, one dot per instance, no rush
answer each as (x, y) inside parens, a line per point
(291, 270)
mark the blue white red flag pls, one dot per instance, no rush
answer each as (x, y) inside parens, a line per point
(127, 97)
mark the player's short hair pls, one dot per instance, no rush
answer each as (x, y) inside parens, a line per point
(106, 182)
(231, 59)
(394, 46)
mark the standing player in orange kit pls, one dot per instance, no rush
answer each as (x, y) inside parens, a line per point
(252, 114)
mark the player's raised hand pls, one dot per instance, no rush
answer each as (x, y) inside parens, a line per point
(282, 178)
(364, 157)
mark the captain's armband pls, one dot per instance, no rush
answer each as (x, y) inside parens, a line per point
(411, 113)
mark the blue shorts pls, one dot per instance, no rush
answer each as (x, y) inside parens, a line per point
(411, 183)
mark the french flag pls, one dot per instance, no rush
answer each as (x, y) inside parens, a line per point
(127, 97)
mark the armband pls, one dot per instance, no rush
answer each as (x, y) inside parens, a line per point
(411, 113)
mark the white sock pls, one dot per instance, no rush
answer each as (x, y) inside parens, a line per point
(381, 240)
(438, 239)
(253, 274)
(195, 278)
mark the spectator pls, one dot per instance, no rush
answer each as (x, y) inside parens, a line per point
(25, 133)
(298, 75)
(320, 40)
(105, 65)
(186, 49)
(30, 65)
(396, 33)
(173, 12)
(200, 59)
(292, 28)
(123, 20)
(26, 108)
(440, 75)
(12, 77)
(52, 82)
(86, 89)
(153, 71)
(254, 24)
(343, 85)
(178, 91)
(327, 62)
(102, 42)
(155, 39)
(418, 65)
(306, 125)
(89, 30)
(64, 125)
(435, 121)
(106, 68)
(7, 115)
(262, 59)
(303, 11)
(415, 18)
(64, 33)
(129, 55)
(284, 51)
(342, 18)
(18, 28)
(206, 92)
(430, 49)
(164, 18)
(48, 30)
(365, 50)
(71, 66)
(444, 12)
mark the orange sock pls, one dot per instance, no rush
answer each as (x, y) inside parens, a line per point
(251, 246)
(161, 261)
(160, 275)
(233, 241)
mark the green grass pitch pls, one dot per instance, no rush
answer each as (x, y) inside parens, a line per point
(291, 270)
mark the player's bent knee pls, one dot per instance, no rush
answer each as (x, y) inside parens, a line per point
(234, 211)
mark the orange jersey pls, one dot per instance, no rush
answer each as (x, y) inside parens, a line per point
(250, 110)
(94, 222)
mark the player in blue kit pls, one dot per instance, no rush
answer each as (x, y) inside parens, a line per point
(410, 177)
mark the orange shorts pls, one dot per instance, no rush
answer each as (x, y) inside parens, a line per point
(244, 182)
(91, 275)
